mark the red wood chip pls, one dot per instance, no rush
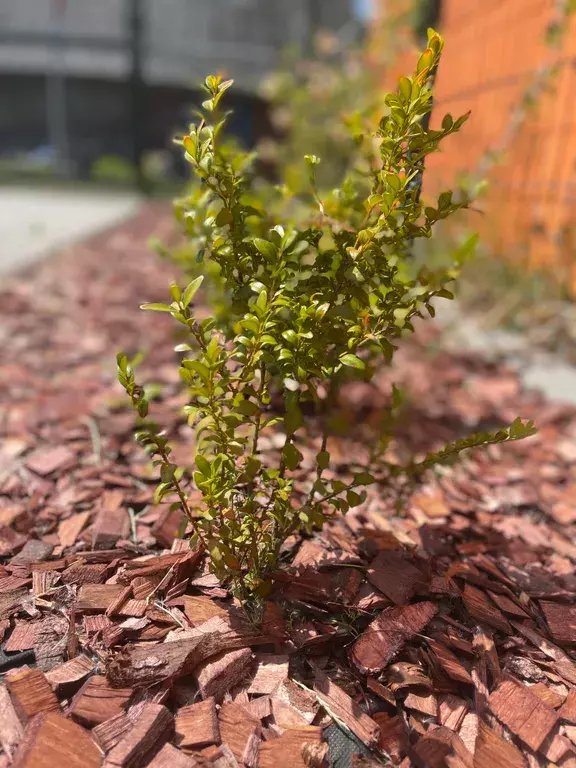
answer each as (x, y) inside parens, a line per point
(338, 702)
(31, 694)
(97, 597)
(218, 674)
(197, 725)
(492, 750)
(568, 710)
(170, 757)
(48, 460)
(449, 662)
(393, 735)
(388, 633)
(53, 741)
(441, 747)
(287, 750)
(395, 576)
(547, 695)
(22, 638)
(153, 727)
(241, 732)
(426, 703)
(478, 606)
(562, 621)
(97, 701)
(271, 670)
(524, 713)
(70, 529)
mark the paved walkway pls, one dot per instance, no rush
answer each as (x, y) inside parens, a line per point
(36, 221)
(539, 370)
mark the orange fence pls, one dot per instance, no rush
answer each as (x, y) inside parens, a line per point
(498, 53)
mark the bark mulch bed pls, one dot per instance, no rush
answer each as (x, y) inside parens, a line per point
(431, 627)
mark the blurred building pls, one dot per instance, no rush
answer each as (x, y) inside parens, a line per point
(80, 77)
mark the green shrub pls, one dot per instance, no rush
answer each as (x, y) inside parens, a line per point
(112, 168)
(310, 307)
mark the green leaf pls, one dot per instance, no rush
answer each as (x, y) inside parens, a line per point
(154, 307)
(203, 465)
(352, 361)
(291, 456)
(191, 290)
(353, 499)
(405, 88)
(293, 419)
(364, 478)
(266, 248)
(323, 459)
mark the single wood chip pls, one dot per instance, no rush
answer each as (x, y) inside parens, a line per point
(170, 757)
(241, 732)
(167, 525)
(31, 694)
(271, 670)
(492, 751)
(394, 576)
(11, 729)
(453, 667)
(71, 528)
(568, 710)
(66, 678)
(109, 733)
(451, 711)
(508, 606)
(200, 609)
(197, 725)
(152, 729)
(469, 731)
(22, 638)
(301, 702)
(260, 707)
(440, 748)
(287, 751)
(33, 551)
(526, 715)
(381, 690)
(561, 620)
(53, 741)
(341, 706)
(218, 674)
(97, 701)
(110, 525)
(426, 703)
(388, 633)
(43, 581)
(547, 695)
(44, 461)
(393, 735)
(96, 598)
(480, 608)
(50, 643)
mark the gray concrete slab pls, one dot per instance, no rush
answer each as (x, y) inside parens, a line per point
(549, 373)
(34, 222)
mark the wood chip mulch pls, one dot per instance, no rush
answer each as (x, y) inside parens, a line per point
(436, 626)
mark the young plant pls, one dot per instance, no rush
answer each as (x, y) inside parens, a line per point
(311, 306)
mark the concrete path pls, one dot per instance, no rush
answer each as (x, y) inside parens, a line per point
(36, 221)
(538, 370)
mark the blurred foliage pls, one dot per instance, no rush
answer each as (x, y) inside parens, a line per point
(425, 13)
(113, 168)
